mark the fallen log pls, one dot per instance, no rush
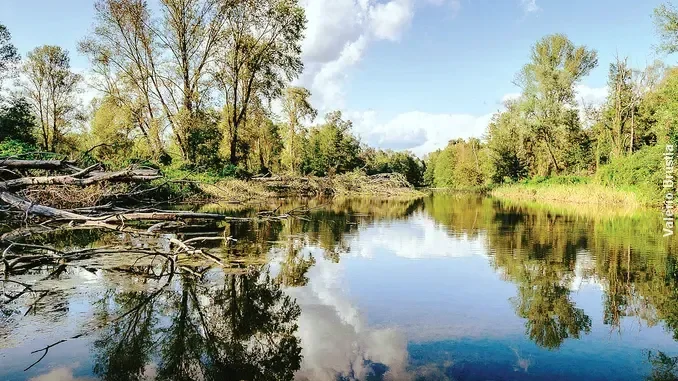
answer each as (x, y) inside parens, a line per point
(39, 210)
(78, 179)
(37, 164)
(117, 218)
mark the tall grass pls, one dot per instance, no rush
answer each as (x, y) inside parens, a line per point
(584, 193)
(632, 180)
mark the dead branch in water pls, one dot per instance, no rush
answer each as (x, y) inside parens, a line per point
(116, 218)
(93, 215)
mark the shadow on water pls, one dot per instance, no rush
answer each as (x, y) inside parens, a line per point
(145, 317)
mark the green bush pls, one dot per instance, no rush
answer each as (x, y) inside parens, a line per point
(557, 180)
(642, 172)
(11, 148)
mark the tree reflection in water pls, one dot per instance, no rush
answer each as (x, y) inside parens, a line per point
(545, 303)
(239, 327)
(211, 324)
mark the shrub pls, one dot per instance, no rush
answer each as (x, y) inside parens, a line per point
(643, 171)
(11, 147)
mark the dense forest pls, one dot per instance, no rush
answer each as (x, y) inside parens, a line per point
(546, 135)
(207, 86)
(191, 85)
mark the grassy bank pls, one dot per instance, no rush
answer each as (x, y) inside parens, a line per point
(571, 190)
(634, 180)
(352, 184)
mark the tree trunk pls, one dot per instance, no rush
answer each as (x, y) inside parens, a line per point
(553, 157)
(35, 164)
(632, 132)
(234, 143)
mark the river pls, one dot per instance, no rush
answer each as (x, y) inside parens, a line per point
(449, 287)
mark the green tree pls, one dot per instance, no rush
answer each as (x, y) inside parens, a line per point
(51, 88)
(331, 148)
(296, 108)
(429, 173)
(111, 129)
(666, 21)
(620, 108)
(261, 51)
(158, 66)
(402, 162)
(17, 121)
(8, 53)
(548, 99)
(460, 165)
(508, 144)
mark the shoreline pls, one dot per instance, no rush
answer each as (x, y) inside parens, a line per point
(384, 186)
(571, 194)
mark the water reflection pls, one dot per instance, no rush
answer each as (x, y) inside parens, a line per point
(449, 287)
(238, 326)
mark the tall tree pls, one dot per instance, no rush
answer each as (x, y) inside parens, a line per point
(16, 121)
(296, 108)
(506, 140)
(157, 66)
(666, 21)
(8, 53)
(548, 84)
(620, 108)
(331, 147)
(261, 51)
(51, 87)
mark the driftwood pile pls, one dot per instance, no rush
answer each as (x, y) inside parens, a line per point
(12, 174)
(149, 243)
(29, 218)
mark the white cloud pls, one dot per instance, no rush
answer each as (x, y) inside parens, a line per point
(338, 34)
(510, 97)
(60, 374)
(591, 95)
(337, 341)
(418, 237)
(529, 6)
(329, 79)
(388, 20)
(417, 131)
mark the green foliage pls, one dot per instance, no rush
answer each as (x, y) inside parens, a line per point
(297, 109)
(666, 21)
(664, 367)
(643, 172)
(204, 138)
(51, 86)
(508, 146)
(461, 165)
(557, 180)
(17, 122)
(259, 63)
(662, 107)
(8, 53)
(387, 161)
(548, 100)
(12, 148)
(330, 148)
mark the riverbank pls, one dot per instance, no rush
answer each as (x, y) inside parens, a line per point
(572, 194)
(352, 184)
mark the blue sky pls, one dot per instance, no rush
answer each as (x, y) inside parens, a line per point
(411, 74)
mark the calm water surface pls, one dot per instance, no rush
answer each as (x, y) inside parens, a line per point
(444, 288)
